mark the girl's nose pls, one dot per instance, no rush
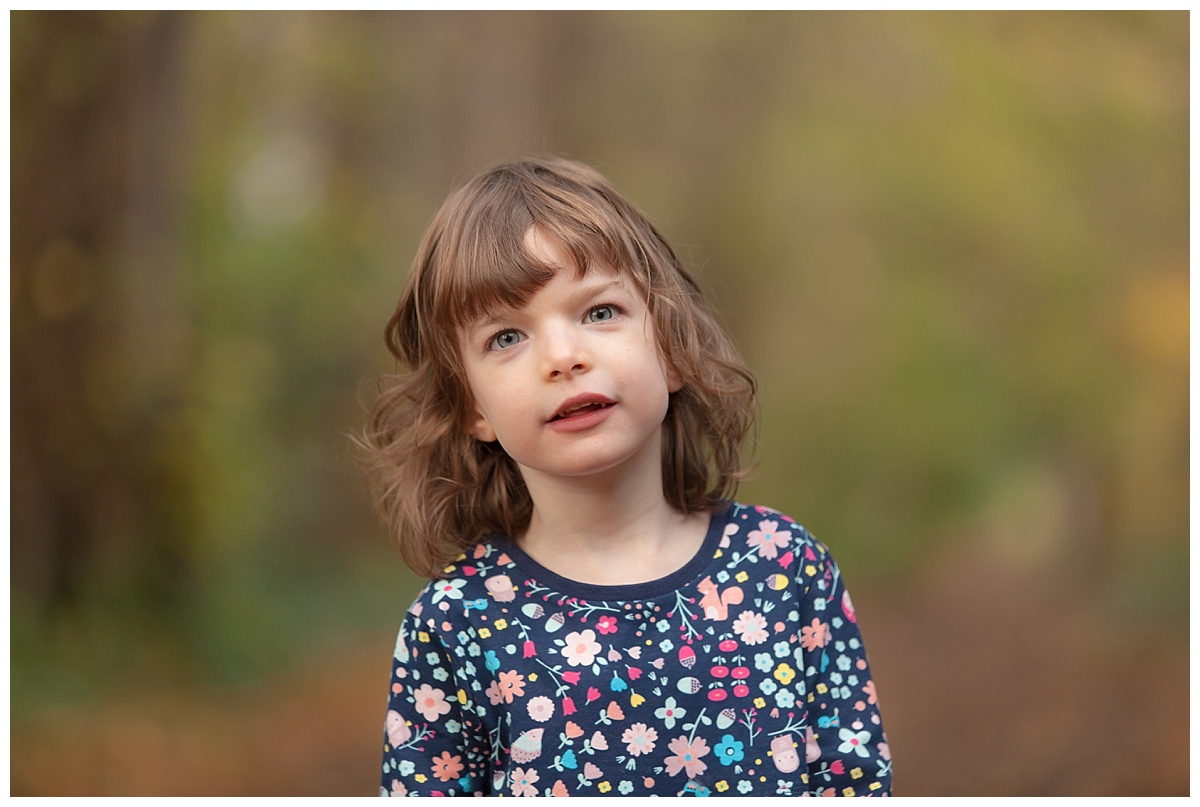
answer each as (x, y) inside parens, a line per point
(563, 354)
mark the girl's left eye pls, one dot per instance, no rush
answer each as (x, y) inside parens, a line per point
(602, 313)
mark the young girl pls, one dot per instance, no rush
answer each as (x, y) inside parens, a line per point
(560, 460)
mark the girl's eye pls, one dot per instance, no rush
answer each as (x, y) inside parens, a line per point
(504, 340)
(602, 313)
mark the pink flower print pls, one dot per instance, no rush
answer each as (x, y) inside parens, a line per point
(523, 782)
(529, 650)
(493, 693)
(814, 635)
(639, 739)
(430, 702)
(606, 624)
(511, 685)
(568, 706)
(869, 688)
(686, 756)
(848, 607)
(447, 767)
(581, 648)
(541, 708)
(571, 677)
(768, 538)
(751, 626)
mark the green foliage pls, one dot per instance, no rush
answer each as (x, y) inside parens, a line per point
(953, 246)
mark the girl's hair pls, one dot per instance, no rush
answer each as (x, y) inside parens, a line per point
(439, 488)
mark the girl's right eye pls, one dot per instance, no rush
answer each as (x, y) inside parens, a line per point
(504, 340)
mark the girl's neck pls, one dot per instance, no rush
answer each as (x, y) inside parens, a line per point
(618, 533)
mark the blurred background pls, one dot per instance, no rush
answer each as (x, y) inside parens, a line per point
(953, 246)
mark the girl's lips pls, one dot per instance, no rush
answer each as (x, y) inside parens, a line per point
(581, 412)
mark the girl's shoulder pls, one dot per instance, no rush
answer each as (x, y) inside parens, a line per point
(484, 572)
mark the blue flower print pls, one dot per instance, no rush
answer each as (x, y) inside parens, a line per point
(666, 645)
(782, 649)
(744, 786)
(729, 750)
(784, 699)
(763, 662)
(491, 660)
(626, 787)
(440, 674)
(767, 686)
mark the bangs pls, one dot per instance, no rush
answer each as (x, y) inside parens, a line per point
(486, 264)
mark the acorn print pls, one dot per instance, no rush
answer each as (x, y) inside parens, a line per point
(554, 623)
(689, 686)
(532, 610)
(777, 582)
(687, 656)
(528, 746)
(725, 718)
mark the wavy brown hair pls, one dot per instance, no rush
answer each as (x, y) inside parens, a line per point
(440, 489)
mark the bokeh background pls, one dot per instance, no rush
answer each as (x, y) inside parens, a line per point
(953, 246)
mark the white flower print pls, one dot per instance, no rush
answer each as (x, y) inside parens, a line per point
(448, 589)
(581, 648)
(855, 741)
(669, 713)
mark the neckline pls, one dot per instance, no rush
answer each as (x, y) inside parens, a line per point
(627, 591)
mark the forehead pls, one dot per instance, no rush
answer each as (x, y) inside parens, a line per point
(510, 284)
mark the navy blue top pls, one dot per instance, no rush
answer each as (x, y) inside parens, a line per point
(741, 673)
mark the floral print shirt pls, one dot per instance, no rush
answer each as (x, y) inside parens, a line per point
(742, 673)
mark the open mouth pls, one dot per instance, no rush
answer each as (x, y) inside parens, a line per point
(579, 410)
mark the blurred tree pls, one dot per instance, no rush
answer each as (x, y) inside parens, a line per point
(101, 499)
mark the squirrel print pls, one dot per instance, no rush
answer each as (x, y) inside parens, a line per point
(716, 602)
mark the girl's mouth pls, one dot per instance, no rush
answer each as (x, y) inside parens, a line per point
(579, 410)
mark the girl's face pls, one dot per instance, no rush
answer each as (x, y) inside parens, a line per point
(571, 384)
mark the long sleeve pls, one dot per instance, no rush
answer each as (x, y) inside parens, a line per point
(846, 748)
(432, 743)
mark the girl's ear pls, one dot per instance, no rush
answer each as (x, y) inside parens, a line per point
(673, 382)
(481, 428)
